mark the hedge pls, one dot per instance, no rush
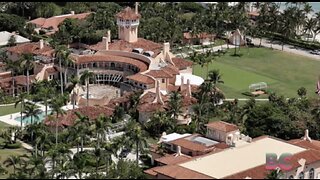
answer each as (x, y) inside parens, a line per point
(13, 146)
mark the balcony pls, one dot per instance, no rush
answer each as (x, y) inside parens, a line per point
(127, 23)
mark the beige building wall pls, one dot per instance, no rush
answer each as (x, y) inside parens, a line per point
(188, 70)
(218, 135)
(308, 167)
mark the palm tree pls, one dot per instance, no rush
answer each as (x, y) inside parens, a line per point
(175, 104)
(32, 111)
(215, 77)
(27, 64)
(85, 77)
(159, 123)
(135, 133)
(274, 174)
(45, 94)
(20, 100)
(62, 55)
(101, 125)
(12, 161)
(83, 123)
(56, 104)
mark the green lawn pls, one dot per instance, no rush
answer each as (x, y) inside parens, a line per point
(4, 125)
(5, 153)
(4, 110)
(284, 73)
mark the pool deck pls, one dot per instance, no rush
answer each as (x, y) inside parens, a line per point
(10, 118)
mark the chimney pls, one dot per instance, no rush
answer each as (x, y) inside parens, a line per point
(41, 44)
(105, 43)
(306, 135)
(166, 48)
(158, 98)
(109, 35)
(136, 8)
(72, 12)
(178, 151)
(188, 88)
(182, 83)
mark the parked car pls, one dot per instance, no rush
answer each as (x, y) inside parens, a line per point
(124, 153)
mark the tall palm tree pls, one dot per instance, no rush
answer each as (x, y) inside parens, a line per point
(27, 65)
(101, 125)
(85, 77)
(175, 104)
(83, 122)
(135, 134)
(56, 104)
(62, 55)
(45, 94)
(32, 111)
(21, 100)
(274, 174)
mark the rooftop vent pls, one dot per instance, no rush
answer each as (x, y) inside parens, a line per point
(137, 50)
(148, 53)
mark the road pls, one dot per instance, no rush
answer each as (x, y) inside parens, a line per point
(287, 48)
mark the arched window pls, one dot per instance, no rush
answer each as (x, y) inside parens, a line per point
(311, 173)
(112, 65)
(301, 175)
(291, 177)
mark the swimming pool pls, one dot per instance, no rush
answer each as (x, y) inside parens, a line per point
(27, 120)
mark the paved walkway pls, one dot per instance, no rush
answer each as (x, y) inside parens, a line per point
(287, 48)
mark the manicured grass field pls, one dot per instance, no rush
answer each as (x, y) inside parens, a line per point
(4, 125)
(284, 73)
(4, 110)
(5, 153)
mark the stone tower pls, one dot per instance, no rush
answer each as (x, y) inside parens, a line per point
(128, 22)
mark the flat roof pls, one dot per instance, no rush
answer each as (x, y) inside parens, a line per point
(194, 80)
(174, 136)
(237, 159)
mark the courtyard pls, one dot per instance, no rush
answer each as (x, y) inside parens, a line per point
(284, 72)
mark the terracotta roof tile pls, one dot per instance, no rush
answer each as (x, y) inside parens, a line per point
(33, 47)
(52, 70)
(109, 58)
(141, 78)
(129, 14)
(181, 63)
(222, 126)
(179, 172)
(173, 159)
(159, 74)
(122, 45)
(56, 20)
(193, 146)
(170, 69)
(92, 112)
(314, 144)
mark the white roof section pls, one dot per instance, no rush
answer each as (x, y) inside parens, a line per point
(69, 107)
(5, 36)
(194, 80)
(173, 136)
(237, 159)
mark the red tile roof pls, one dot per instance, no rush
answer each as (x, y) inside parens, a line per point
(159, 74)
(173, 159)
(32, 47)
(179, 172)
(141, 78)
(170, 69)
(314, 144)
(122, 45)
(181, 63)
(222, 126)
(109, 58)
(70, 117)
(193, 146)
(129, 14)
(56, 20)
(52, 70)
